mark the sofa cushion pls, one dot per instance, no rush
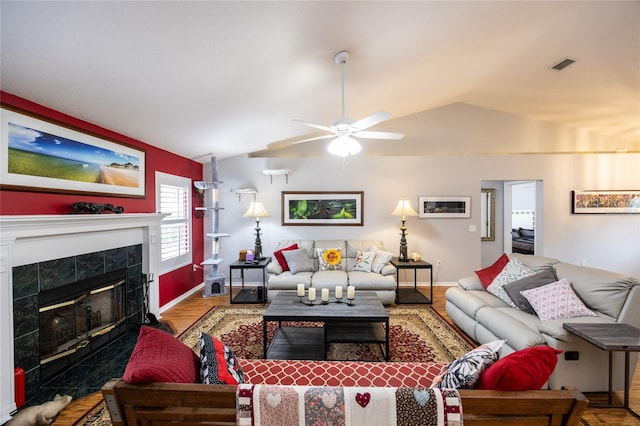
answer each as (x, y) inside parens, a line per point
(464, 372)
(532, 281)
(160, 357)
(364, 261)
(488, 274)
(371, 281)
(218, 364)
(537, 263)
(280, 257)
(520, 329)
(289, 281)
(513, 271)
(329, 279)
(526, 369)
(556, 301)
(600, 290)
(298, 261)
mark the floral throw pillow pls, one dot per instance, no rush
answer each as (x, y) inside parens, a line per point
(364, 261)
(329, 259)
(464, 372)
(512, 271)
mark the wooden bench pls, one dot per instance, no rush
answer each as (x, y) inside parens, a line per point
(198, 404)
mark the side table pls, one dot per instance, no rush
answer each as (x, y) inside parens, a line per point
(611, 337)
(412, 295)
(256, 295)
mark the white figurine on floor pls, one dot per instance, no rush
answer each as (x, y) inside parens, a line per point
(40, 415)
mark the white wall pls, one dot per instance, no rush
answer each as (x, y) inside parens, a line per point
(604, 241)
(449, 151)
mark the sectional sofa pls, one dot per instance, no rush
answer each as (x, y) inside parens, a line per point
(612, 297)
(308, 271)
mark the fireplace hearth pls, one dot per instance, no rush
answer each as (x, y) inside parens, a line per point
(80, 318)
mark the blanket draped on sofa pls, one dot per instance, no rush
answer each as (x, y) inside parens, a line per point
(351, 406)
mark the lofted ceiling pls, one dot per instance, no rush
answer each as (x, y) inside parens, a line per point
(227, 78)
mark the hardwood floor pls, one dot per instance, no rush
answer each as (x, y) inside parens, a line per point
(183, 315)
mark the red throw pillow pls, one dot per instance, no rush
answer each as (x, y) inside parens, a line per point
(526, 369)
(160, 357)
(487, 274)
(280, 257)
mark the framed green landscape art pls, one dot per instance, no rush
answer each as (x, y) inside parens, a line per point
(322, 208)
(40, 155)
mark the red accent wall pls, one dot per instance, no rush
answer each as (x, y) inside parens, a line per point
(172, 284)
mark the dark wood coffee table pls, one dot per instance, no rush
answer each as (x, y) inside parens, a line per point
(365, 321)
(611, 337)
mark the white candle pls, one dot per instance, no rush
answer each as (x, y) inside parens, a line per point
(216, 195)
(325, 294)
(300, 290)
(312, 294)
(351, 292)
(339, 292)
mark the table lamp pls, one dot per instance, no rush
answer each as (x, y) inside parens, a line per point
(403, 209)
(257, 210)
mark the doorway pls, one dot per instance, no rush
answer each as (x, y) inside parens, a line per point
(518, 205)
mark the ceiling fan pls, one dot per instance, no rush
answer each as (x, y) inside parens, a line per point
(345, 130)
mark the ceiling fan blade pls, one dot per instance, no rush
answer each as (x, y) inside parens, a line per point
(315, 126)
(369, 121)
(378, 135)
(313, 139)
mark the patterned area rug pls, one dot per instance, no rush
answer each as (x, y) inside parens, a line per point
(416, 335)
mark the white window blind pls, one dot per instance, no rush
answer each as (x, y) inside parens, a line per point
(174, 198)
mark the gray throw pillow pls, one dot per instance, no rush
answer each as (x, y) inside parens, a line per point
(298, 261)
(527, 283)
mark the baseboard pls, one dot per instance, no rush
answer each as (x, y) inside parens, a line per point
(179, 299)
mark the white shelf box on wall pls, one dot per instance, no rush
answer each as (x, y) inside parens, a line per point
(278, 172)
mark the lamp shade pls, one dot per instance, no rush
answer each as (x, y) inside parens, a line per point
(344, 146)
(256, 209)
(404, 209)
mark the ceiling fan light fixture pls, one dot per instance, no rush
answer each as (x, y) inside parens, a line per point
(344, 146)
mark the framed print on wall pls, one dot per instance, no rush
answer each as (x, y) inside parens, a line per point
(322, 208)
(605, 202)
(444, 207)
(41, 156)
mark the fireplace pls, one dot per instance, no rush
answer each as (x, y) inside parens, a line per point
(79, 318)
(39, 253)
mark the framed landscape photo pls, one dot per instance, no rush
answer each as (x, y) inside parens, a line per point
(42, 156)
(605, 202)
(444, 207)
(322, 208)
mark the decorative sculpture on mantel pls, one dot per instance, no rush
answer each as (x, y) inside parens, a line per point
(94, 208)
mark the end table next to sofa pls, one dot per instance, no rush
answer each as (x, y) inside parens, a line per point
(257, 295)
(412, 295)
(611, 337)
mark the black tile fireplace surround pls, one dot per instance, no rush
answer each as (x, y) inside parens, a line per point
(34, 282)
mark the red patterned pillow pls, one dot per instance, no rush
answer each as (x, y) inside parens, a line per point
(280, 257)
(160, 357)
(218, 364)
(487, 274)
(526, 369)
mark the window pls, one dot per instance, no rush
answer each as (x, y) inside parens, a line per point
(173, 196)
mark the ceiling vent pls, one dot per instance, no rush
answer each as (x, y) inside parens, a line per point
(563, 64)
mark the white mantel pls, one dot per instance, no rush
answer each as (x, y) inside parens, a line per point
(29, 239)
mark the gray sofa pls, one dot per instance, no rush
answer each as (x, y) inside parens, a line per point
(613, 297)
(383, 283)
